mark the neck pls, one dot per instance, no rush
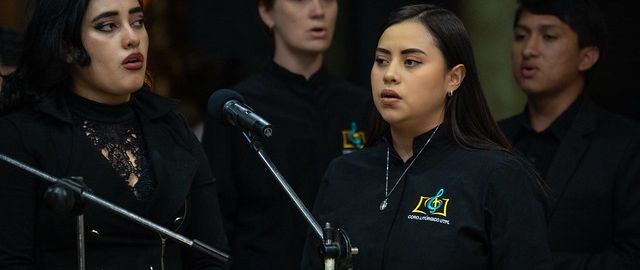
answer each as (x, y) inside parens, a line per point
(544, 109)
(402, 141)
(305, 64)
(403, 144)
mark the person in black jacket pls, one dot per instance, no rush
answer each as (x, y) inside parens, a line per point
(589, 158)
(78, 105)
(439, 187)
(315, 115)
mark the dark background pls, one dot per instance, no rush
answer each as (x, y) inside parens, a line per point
(198, 46)
(231, 30)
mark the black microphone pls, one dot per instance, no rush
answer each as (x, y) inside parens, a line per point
(228, 107)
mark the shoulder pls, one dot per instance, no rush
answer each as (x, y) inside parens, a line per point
(604, 129)
(361, 158)
(347, 87)
(617, 125)
(27, 122)
(511, 124)
(489, 164)
(263, 78)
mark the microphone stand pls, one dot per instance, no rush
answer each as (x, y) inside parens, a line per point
(336, 247)
(59, 192)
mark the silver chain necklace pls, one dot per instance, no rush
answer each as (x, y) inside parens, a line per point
(388, 192)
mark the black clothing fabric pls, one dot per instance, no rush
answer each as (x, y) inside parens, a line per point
(32, 236)
(594, 177)
(454, 209)
(117, 137)
(313, 121)
(539, 147)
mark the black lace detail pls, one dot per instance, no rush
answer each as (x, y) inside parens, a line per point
(121, 145)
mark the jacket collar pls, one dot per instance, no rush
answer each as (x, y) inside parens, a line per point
(149, 105)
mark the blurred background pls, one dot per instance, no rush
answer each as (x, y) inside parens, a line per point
(198, 46)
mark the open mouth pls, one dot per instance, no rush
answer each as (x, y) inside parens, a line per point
(134, 61)
(389, 94)
(389, 97)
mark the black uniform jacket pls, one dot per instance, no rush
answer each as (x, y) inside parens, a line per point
(34, 237)
(455, 209)
(594, 219)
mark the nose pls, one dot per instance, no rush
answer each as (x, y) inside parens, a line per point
(130, 38)
(317, 9)
(531, 47)
(390, 75)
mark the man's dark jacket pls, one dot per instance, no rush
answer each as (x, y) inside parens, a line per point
(594, 180)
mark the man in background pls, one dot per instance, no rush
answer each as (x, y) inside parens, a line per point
(589, 158)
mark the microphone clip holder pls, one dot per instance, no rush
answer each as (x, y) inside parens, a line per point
(336, 248)
(64, 195)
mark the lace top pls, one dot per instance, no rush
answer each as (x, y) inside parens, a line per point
(115, 131)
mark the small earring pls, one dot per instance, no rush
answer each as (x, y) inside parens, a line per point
(450, 93)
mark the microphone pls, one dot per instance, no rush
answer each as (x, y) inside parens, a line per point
(228, 107)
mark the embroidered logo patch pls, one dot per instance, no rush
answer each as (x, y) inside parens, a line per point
(430, 207)
(353, 138)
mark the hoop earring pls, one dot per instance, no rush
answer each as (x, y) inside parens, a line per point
(450, 93)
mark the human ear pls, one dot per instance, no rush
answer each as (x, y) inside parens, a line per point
(265, 15)
(71, 54)
(455, 77)
(590, 56)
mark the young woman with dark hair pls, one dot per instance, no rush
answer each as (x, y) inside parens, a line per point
(79, 104)
(441, 187)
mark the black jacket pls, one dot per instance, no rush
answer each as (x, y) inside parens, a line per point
(594, 219)
(454, 209)
(34, 237)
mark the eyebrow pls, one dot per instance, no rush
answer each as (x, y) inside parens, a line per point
(107, 14)
(405, 51)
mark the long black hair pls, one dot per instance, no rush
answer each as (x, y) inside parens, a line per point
(467, 115)
(51, 37)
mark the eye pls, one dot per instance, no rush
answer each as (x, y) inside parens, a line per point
(520, 34)
(381, 61)
(412, 63)
(105, 27)
(549, 37)
(139, 23)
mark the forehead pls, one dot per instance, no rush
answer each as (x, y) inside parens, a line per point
(99, 6)
(532, 21)
(411, 33)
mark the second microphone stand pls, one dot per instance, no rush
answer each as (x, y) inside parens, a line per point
(70, 194)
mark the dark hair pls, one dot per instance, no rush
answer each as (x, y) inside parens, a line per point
(10, 46)
(467, 116)
(52, 34)
(582, 16)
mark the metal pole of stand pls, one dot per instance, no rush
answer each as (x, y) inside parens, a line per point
(81, 255)
(337, 247)
(257, 146)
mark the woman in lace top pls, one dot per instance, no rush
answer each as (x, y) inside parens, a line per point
(79, 106)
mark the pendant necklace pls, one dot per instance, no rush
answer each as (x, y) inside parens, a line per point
(388, 192)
